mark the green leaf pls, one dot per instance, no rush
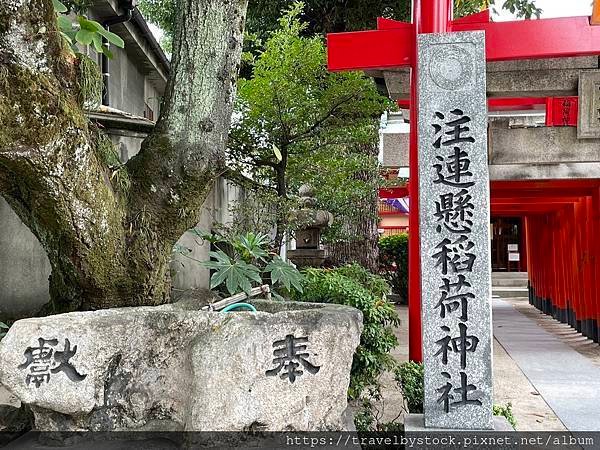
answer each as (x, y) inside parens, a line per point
(251, 246)
(90, 25)
(84, 36)
(284, 273)
(277, 153)
(66, 37)
(107, 52)
(59, 7)
(97, 41)
(64, 23)
(3, 325)
(236, 274)
(111, 37)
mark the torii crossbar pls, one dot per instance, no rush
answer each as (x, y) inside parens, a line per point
(393, 45)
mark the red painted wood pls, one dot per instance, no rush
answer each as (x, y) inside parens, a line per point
(480, 17)
(516, 104)
(562, 111)
(526, 39)
(377, 49)
(390, 24)
(393, 192)
(415, 350)
(544, 38)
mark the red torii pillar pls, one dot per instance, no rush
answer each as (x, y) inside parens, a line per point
(429, 16)
(393, 45)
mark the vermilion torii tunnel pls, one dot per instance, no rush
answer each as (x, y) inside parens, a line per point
(554, 198)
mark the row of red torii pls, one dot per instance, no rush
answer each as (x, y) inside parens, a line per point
(393, 45)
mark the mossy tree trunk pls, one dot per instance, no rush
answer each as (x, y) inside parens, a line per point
(361, 225)
(108, 229)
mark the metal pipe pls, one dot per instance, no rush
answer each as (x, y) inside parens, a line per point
(105, 67)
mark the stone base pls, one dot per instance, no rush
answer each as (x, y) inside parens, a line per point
(415, 423)
(176, 368)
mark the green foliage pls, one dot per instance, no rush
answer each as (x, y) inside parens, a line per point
(328, 16)
(251, 246)
(364, 419)
(410, 378)
(506, 411)
(352, 286)
(284, 273)
(373, 283)
(84, 31)
(393, 262)
(242, 261)
(3, 329)
(164, 14)
(235, 273)
(297, 123)
(89, 82)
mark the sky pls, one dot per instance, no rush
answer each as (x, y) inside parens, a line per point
(553, 8)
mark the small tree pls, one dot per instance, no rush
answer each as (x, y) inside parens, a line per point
(295, 122)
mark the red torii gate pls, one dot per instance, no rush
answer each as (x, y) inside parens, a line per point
(393, 45)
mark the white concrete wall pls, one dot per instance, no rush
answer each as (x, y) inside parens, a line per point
(24, 267)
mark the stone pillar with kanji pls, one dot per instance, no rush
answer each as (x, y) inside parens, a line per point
(454, 231)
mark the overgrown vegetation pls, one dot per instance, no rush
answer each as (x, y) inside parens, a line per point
(506, 411)
(329, 16)
(241, 262)
(83, 31)
(354, 286)
(410, 378)
(297, 123)
(393, 263)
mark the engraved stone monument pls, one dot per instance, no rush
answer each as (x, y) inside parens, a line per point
(178, 368)
(589, 105)
(454, 231)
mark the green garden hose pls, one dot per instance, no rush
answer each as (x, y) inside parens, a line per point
(233, 306)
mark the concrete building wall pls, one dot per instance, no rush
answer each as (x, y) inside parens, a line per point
(24, 267)
(522, 78)
(189, 274)
(126, 84)
(394, 221)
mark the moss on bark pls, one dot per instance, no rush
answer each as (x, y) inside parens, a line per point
(109, 228)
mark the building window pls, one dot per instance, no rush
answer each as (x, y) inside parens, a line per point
(148, 113)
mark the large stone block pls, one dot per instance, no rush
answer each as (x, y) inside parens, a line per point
(454, 231)
(170, 368)
(588, 126)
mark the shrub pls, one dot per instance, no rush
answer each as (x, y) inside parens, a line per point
(355, 286)
(506, 411)
(242, 261)
(393, 262)
(410, 379)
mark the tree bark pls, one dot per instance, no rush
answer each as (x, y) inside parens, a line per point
(109, 230)
(361, 244)
(281, 186)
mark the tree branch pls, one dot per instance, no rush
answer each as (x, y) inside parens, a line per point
(309, 131)
(186, 150)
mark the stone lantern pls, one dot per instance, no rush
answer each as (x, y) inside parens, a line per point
(308, 252)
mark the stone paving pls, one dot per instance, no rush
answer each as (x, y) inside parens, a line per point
(567, 380)
(510, 386)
